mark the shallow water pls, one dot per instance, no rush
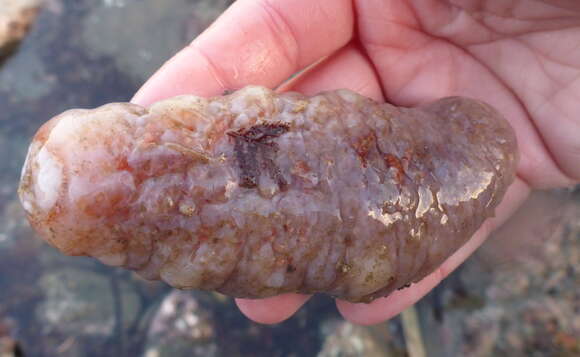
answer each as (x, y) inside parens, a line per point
(517, 296)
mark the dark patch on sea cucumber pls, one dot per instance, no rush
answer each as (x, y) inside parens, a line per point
(256, 150)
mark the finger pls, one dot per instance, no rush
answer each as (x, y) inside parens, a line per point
(254, 42)
(384, 308)
(348, 68)
(418, 63)
(272, 310)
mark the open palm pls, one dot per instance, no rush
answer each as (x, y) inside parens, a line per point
(522, 56)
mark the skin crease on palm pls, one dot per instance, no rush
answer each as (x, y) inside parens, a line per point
(521, 56)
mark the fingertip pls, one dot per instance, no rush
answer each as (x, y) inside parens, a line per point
(272, 310)
(359, 314)
(385, 308)
(188, 72)
(253, 42)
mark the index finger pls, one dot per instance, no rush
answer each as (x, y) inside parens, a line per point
(259, 42)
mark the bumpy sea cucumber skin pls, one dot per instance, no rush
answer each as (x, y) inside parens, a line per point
(256, 193)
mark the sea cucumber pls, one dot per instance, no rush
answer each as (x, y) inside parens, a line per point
(257, 193)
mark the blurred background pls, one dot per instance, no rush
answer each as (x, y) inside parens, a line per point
(519, 295)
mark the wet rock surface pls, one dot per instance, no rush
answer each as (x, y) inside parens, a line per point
(344, 339)
(519, 303)
(182, 325)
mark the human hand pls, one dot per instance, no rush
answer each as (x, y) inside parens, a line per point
(523, 57)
